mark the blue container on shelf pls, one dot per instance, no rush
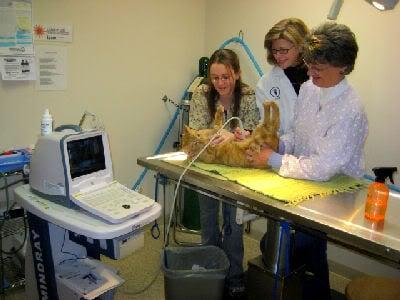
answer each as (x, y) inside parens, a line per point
(15, 161)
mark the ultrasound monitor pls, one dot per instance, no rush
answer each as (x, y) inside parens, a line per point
(65, 163)
(86, 156)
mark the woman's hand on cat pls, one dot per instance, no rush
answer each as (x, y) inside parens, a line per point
(259, 159)
(222, 137)
(241, 134)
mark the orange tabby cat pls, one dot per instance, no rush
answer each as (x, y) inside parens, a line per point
(233, 153)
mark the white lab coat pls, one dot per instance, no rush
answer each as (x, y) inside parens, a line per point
(277, 87)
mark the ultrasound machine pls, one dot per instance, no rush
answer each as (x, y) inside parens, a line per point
(76, 211)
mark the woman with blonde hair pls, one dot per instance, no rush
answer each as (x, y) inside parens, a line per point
(283, 43)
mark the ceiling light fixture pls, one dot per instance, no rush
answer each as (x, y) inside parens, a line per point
(383, 4)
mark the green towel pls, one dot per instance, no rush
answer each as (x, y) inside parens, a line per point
(193, 167)
(288, 190)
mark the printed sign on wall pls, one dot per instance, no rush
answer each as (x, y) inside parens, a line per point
(53, 33)
(17, 68)
(16, 27)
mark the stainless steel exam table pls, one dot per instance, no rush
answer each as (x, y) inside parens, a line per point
(340, 217)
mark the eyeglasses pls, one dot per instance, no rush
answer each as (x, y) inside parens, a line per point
(315, 67)
(223, 78)
(281, 50)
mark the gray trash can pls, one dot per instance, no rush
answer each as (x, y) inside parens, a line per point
(194, 272)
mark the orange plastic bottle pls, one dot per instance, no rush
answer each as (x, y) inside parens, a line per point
(378, 194)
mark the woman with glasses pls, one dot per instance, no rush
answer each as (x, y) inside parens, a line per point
(283, 44)
(327, 136)
(224, 87)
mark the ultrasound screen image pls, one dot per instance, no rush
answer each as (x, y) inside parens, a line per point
(86, 156)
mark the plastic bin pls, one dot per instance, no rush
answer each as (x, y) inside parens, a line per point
(14, 162)
(194, 272)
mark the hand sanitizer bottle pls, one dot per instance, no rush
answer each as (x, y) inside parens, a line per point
(47, 123)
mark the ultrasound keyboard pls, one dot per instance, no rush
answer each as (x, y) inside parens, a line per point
(114, 202)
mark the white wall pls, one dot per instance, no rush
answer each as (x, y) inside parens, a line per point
(127, 54)
(124, 57)
(375, 76)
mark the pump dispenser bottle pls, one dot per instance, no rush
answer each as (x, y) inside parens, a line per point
(46, 123)
(378, 194)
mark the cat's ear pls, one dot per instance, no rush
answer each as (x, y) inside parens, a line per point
(189, 138)
(188, 131)
(185, 136)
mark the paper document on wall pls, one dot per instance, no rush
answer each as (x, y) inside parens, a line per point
(17, 68)
(53, 33)
(16, 27)
(51, 64)
(87, 277)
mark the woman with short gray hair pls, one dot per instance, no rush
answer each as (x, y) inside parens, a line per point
(333, 44)
(327, 137)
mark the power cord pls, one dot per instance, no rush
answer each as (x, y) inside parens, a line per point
(76, 257)
(189, 165)
(174, 201)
